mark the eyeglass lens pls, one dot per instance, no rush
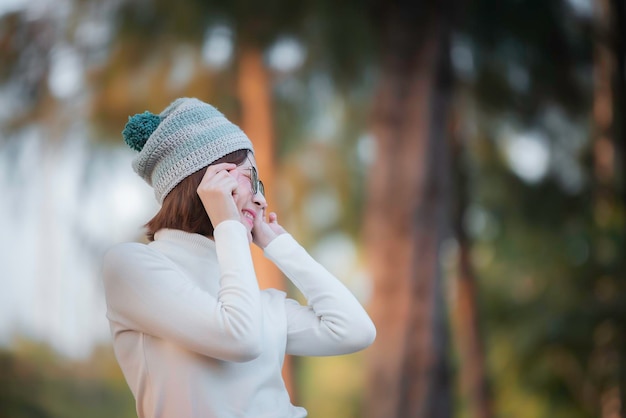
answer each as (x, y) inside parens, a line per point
(257, 185)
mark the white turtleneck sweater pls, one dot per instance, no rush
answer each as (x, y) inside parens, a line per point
(196, 338)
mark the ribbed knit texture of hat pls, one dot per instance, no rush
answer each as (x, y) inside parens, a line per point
(186, 137)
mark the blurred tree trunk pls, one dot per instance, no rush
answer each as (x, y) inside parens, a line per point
(619, 7)
(466, 329)
(467, 332)
(254, 89)
(406, 217)
(608, 96)
(605, 83)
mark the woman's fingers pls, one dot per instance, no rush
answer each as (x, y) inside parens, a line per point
(216, 193)
(220, 167)
(218, 178)
(217, 171)
(265, 231)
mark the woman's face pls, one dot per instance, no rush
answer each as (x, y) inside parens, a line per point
(251, 206)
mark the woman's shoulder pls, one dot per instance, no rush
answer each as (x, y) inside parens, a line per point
(129, 254)
(126, 250)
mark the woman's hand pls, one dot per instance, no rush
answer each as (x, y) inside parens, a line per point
(264, 231)
(216, 193)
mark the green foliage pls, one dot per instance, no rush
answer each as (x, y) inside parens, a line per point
(552, 290)
(539, 38)
(35, 382)
(552, 275)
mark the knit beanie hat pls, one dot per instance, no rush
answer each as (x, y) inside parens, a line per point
(186, 137)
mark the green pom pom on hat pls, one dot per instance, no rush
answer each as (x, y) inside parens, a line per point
(186, 137)
(139, 128)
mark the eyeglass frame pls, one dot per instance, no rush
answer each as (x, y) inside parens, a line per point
(257, 184)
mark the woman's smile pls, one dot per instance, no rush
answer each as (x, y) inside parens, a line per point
(249, 216)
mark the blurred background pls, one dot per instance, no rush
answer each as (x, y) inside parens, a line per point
(458, 164)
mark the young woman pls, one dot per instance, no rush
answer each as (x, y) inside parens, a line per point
(193, 334)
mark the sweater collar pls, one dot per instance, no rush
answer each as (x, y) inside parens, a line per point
(196, 243)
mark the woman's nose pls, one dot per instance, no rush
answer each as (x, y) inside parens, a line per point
(259, 200)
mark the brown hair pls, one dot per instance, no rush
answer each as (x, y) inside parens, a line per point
(182, 208)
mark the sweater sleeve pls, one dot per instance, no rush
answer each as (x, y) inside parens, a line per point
(334, 322)
(146, 292)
